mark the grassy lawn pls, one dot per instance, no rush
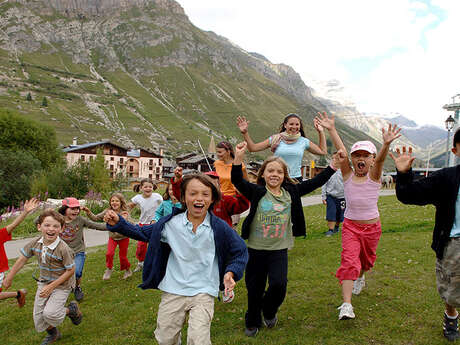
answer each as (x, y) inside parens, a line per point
(399, 304)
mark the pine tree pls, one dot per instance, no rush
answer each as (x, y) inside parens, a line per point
(99, 174)
(29, 97)
(44, 102)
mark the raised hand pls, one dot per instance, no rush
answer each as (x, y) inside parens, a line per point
(391, 134)
(325, 121)
(242, 124)
(229, 283)
(31, 205)
(240, 149)
(403, 159)
(339, 158)
(317, 125)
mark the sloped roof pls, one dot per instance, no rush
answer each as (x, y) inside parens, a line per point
(72, 148)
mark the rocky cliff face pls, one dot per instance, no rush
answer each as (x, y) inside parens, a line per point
(96, 7)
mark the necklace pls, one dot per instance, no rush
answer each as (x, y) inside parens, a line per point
(360, 175)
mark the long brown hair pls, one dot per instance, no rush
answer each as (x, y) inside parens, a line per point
(227, 146)
(260, 180)
(119, 196)
(206, 180)
(286, 119)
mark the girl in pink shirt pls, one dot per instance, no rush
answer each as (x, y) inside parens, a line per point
(361, 228)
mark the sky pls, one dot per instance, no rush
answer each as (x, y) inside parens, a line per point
(392, 56)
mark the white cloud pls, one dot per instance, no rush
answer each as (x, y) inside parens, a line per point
(316, 37)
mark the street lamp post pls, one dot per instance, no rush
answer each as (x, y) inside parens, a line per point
(450, 123)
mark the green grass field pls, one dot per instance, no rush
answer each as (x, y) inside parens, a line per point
(399, 305)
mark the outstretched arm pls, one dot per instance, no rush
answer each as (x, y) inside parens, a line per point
(244, 187)
(320, 149)
(243, 125)
(388, 136)
(29, 206)
(15, 269)
(115, 223)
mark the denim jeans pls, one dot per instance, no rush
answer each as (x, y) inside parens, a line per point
(79, 263)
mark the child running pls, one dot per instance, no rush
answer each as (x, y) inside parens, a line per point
(361, 228)
(190, 253)
(117, 203)
(73, 236)
(148, 203)
(56, 279)
(5, 235)
(169, 202)
(275, 218)
(442, 190)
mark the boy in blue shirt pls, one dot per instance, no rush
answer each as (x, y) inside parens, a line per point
(442, 190)
(191, 253)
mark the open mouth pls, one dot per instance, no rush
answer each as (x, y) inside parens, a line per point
(198, 206)
(361, 165)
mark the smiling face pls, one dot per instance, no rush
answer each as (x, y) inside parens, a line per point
(50, 229)
(71, 213)
(147, 189)
(223, 154)
(115, 203)
(198, 199)
(362, 161)
(292, 125)
(273, 175)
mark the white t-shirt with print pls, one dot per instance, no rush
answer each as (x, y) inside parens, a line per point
(147, 206)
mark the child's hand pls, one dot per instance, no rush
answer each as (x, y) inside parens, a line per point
(111, 217)
(125, 214)
(317, 125)
(240, 149)
(403, 161)
(391, 134)
(242, 124)
(229, 283)
(31, 205)
(178, 173)
(324, 121)
(86, 209)
(6, 283)
(46, 291)
(338, 158)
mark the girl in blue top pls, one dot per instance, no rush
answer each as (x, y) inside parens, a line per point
(290, 143)
(166, 207)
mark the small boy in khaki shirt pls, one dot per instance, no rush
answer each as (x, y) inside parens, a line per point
(56, 279)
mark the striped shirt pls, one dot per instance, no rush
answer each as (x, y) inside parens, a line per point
(53, 260)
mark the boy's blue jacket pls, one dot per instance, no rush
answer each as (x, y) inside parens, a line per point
(231, 251)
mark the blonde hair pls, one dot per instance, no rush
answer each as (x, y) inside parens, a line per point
(260, 180)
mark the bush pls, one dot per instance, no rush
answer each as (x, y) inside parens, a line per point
(18, 168)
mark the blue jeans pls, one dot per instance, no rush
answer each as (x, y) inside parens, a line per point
(79, 263)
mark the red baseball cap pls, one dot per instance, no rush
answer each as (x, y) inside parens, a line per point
(70, 202)
(212, 174)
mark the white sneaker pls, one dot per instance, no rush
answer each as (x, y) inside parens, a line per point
(127, 274)
(107, 274)
(346, 311)
(229, 298)
(139, 267)
(358, 285)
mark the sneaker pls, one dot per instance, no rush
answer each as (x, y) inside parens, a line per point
(329, 233)
(358, 285)
(107, 274)
(270, 323)
(229, 298)
(74, 313)
(128, 273)
(78, 293)
(139, 267)
(251, 332)
(450, 328)
(53, 336)
(346, 311)
(21, 297)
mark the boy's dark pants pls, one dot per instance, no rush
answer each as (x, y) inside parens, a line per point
(263, 264)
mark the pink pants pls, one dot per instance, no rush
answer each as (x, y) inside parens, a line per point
(359, 247)
(141, 248)
(123, 253)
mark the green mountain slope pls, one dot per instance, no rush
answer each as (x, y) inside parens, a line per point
(140, 74)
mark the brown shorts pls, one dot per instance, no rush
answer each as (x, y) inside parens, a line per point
(448, 273)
